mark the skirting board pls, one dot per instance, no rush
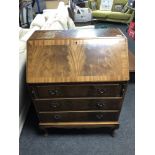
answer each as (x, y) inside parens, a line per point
(22, 117)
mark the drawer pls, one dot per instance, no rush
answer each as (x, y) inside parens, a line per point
(78, 116)
(77, 104)
(66, 91)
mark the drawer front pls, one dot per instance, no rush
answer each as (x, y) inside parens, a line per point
(77, 104)
(78, 116)
(100, 90)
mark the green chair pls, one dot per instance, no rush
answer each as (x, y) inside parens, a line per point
(125, 15)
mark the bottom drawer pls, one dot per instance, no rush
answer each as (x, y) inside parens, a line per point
(78, 116)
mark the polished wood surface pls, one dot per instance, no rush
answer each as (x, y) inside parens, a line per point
(78, 90)
(77, 34)
(131, 62)
(78, 116)
(74, 104)
(132, 66)
(79, 124)
(100, 56)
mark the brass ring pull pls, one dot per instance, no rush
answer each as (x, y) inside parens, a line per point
(101, 91)
(100, 105)
(54, 105)
(53, 92)
(57, 117)
(99, 116)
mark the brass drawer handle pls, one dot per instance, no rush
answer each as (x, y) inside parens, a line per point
(53, 92)
(100, 105)
(101, 91)
(54, 105)
(99, 116)
(57, 117)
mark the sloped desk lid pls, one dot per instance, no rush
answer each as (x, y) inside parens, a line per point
(88, 55)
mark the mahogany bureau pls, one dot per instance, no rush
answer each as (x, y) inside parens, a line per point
(77, 78)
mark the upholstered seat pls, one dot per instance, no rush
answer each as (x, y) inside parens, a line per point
(124, 16)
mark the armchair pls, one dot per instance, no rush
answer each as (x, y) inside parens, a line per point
(124, 15)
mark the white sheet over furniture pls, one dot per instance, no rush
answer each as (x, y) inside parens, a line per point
(50, 20)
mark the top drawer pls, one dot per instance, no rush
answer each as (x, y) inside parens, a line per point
(80, 90)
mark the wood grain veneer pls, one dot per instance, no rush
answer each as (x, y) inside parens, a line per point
(91, 59)
(74, 104)
(79, 124)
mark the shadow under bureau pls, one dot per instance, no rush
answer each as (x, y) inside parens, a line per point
(77, 78)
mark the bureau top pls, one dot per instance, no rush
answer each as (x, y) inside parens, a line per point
(88, 55)
(76, 34)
